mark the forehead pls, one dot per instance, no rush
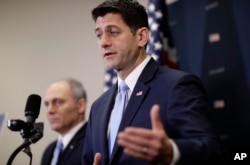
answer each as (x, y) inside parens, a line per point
(58, 90)
(110, 19)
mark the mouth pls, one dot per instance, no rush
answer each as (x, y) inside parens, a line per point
(108, 54)
(53, 120)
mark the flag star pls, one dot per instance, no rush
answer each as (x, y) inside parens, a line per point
(151, 39)
(114, 80)
(151, 7)
(158, 14)
(156, 57)
(158, 46)
(107, 77)
(150, 20)
(154, 26)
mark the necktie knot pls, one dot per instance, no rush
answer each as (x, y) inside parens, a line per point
(59, 145)
(123, 87)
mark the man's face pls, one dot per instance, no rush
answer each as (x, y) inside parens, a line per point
(118, 45)
(62, 109)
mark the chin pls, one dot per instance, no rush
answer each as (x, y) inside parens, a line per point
(55, 128)
(110, 66)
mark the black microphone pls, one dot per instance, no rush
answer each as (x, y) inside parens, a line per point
(29, 130)
(32, 109)
(31, 112)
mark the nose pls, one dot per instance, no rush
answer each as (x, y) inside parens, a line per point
(104, 41)
(50, 109)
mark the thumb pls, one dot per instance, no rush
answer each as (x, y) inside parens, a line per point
(155, 118)
(97, 159)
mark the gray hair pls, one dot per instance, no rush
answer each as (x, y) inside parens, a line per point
(77, 88)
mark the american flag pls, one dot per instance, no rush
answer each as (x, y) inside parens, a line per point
(109, 78)
(160, 45)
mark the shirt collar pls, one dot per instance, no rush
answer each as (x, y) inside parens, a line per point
(68, 136)
(134, 75)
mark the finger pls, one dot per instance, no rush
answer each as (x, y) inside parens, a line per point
(136, 131)
(143, 153)
(97, 159)
(155, 118)
(137, 145)
(131, 142)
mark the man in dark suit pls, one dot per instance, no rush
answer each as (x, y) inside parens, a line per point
(166, 120)
(65, 102)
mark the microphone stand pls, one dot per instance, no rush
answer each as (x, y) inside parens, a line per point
(25, 145)
(36, 135)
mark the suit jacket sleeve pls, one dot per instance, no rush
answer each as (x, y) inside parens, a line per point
(190, 122)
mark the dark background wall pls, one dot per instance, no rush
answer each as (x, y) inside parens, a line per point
(213, 41)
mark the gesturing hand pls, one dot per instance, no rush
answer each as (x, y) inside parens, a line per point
(149, 144)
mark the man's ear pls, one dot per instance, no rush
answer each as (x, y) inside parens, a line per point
(81, 105)
(143, 36)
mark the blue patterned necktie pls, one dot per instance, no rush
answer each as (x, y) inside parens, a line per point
(57, 151)
(116, 115)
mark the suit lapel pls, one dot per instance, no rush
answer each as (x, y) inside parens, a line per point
(49, 153)
(137, 97)
(74, 143)
(108, 103)
(131, 109)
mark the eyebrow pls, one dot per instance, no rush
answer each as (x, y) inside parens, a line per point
(108, 27)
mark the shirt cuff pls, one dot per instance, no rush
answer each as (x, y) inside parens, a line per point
(176, 153)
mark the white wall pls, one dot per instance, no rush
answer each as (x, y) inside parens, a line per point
(42, 41)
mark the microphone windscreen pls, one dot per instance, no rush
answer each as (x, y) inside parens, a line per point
(33, 106)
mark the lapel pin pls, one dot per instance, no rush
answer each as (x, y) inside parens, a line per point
(139, 93)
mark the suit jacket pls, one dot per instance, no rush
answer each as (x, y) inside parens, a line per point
(184, 113)
(71, 155)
